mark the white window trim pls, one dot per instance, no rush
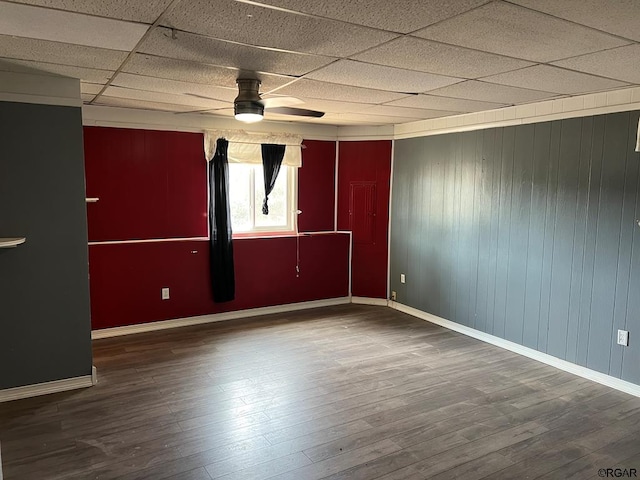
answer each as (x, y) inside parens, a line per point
(256, 208)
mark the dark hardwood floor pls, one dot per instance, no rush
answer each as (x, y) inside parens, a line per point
(348, 392)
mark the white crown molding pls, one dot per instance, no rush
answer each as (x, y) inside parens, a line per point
(570, 107)
(216, 317)
(609, 381)
(56, 386)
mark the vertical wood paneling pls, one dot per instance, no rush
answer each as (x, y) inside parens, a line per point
(564, 230)
(504, 237)
(475, 227)
(579, 239)
(446, 249)
(549, 235)
(607, 241)
(627, 227)
(434, 236)
(528, 233)
(631, 355)
(407, 153)
(597, 142)
(519, 233)
(536, 228)
(495, 215)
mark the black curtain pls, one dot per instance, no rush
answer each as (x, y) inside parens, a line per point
(271, 160)
(221, 245)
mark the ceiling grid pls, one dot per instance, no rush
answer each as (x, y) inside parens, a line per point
(363, 62)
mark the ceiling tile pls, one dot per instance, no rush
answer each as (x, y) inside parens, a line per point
(553, 79)
(443, 103)
(415, 113)
(188, 46)
(90, 88)
(405, 17)
(147, 11)
(172, 98)
(620, 63)
(265, 27)
(60, 53)
(426, 56)
(87, 97)
(519, 32)
(153, 84)
(328, 91)
(349, 72)
(362, 119)
(44, 24)
(141, 104)
(490, 92)
(619, 17)
(186, 71)
(87, 74)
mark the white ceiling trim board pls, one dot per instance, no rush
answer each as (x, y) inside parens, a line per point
(571, 107)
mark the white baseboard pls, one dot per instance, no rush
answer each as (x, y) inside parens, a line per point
(215, 317)
(584, 372)
(46, 388)
(370, 301)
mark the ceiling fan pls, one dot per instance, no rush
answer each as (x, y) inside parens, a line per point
(249, 107)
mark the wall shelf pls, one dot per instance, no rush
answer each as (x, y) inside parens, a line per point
(11, 242)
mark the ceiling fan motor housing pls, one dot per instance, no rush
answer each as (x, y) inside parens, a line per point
(248, 99)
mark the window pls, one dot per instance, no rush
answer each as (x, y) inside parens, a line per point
(246, 194)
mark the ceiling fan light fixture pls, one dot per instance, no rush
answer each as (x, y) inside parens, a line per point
(247, 106)
(248, 112)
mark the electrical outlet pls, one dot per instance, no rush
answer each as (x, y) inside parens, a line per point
(393, 295)
(623, 338)
(403, 279)
(165, 293)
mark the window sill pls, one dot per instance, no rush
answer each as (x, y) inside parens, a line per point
(239, 236)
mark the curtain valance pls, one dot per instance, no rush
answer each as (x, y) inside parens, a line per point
(246, 147)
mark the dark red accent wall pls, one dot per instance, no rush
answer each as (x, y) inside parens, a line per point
(126, 279)
(364, 173)
(152, 185)
(316, 180)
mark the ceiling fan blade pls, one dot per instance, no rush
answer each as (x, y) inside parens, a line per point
(300, 112)
(275, 102)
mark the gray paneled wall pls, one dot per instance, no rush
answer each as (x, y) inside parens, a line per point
(528, 233)
(45, 327)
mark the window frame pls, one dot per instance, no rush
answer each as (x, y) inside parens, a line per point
(255, 204)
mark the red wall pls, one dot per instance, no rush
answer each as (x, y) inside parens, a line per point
(316, 180)
(364, 173)
(152, 185)
(126, 279)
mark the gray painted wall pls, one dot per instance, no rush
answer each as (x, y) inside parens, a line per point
(528, 233)
(45, 328)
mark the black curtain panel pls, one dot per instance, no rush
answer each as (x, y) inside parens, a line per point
(271, 160)
(221, 245)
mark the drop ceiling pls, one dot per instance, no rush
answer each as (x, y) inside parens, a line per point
(363, 62)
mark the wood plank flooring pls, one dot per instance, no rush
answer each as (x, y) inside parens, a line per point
(347, 392)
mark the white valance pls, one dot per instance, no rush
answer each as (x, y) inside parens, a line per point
(245, 147)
